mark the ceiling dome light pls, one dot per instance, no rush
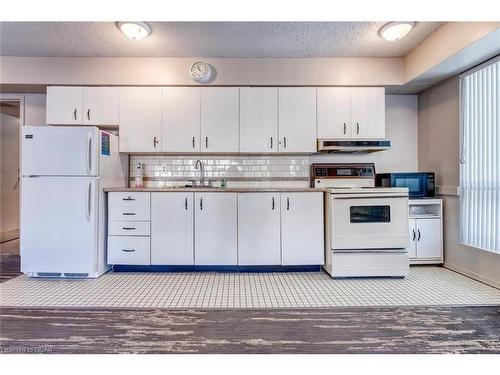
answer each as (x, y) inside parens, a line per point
(395, 30)
(135, 30)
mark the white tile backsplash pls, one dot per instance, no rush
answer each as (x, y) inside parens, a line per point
(240, 171)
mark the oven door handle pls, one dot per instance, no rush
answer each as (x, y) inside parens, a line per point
(335, 196)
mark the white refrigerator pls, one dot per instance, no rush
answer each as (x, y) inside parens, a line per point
(63, 208)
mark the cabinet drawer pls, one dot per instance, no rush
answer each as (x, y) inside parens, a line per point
(128, 228)
(128, 199)
(120, 213)
(128, 250)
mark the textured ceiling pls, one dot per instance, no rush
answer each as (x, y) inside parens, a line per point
(208, 39)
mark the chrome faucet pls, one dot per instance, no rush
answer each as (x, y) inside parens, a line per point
(202, 173)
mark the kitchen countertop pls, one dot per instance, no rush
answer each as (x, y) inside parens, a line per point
(216, 189)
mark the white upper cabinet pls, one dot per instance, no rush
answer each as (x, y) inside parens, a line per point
(83, 105)
(64, 105)
(368, 112)
(297, 119)
(216, 229)
(140, 119)
(258, 119)
(259, 229)
(334, 112)
(181, 119)
(302, 229)
(220, 119)
(101, 105)
(351, 112)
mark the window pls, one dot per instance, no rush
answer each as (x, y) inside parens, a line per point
(480, 157)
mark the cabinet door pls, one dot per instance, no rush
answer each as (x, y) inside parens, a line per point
(368, 112)
(220, 119)
(428, 238)
(181, 119)
(334, 112)
(64, 105)
(302, 229)
(215, 229)
(259, 229)
(140, 119)
(172, 241)
(101, 105)
(258, 119)
(297, 119)
(412, 249)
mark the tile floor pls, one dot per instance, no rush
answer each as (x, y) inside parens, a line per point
(429, 286)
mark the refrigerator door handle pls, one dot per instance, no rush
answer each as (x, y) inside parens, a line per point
(89, 202)
(89, 153)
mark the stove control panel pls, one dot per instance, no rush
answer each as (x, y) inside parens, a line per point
(343, 175)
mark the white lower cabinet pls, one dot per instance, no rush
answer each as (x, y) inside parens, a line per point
(172, 236)
(128, 250)
(259, 229)
(216, 230)
(302, 229)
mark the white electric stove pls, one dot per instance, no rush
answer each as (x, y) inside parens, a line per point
(366, 226)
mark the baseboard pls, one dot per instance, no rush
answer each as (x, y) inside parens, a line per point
(9, 235)
(472, 275)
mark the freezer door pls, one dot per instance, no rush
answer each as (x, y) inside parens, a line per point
(59, 224)
(60, 151)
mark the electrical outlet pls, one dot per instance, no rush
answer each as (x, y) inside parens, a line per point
(164, 168)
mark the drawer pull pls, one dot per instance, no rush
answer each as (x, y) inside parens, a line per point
(128, 250)
(129, 213)
(128, 228)
(129, 198)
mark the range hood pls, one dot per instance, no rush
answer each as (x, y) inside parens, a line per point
(353, 146)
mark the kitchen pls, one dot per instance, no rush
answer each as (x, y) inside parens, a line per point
(249, 185)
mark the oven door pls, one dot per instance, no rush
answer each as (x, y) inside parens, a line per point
(368, 222)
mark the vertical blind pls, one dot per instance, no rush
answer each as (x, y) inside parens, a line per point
(480, 158)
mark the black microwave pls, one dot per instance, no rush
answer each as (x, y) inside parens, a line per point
(419, 184)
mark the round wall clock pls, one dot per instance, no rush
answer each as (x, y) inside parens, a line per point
(201, 71)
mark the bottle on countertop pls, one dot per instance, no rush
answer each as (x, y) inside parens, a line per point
(138, 176)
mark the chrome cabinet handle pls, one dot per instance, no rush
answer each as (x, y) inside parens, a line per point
(284, 142)
(74, 114)
(345, 128)
(206, 142)
(271, 142)
(418, 238)
(128, 250)
(273, 203)
(155, 142)
(414, 235)
(287, 203)
(128, 228)
(201, 203)
(186, 203)
(357, 128)
(88, 114)
(129, 198)
(193, 142)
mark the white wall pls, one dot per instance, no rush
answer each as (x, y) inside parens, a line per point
(9, 164)
(402, 130)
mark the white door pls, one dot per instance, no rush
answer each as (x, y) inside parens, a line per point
(59, 224)
(220, 119)
(412, 249)
(60, 151)
(302, 229)
(101, 105)
(334, 112)
(297, 119)
(259, 229)
(172, 231)
(140, 119)
(368, 112)
(64, 105)
(428, 238)
(258, 119)
(216, 229)
(181, 119)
